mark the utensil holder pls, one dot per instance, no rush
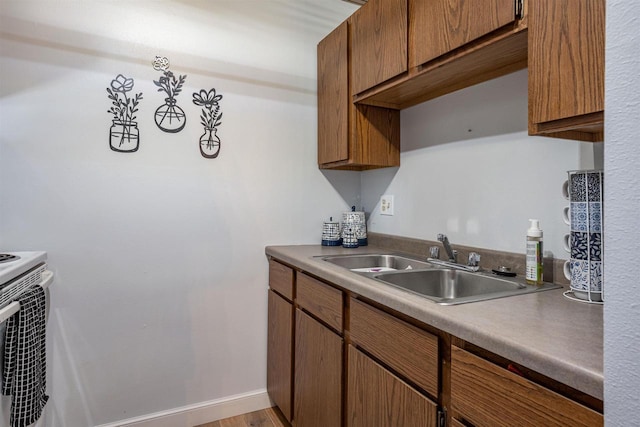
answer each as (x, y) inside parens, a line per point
(331, 233)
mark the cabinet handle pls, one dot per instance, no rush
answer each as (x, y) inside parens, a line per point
(519, 7)
(442, 417)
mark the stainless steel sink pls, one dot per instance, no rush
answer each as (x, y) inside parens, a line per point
(375, 263)
(448, 287)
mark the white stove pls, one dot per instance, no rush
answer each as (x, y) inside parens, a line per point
(18, 272)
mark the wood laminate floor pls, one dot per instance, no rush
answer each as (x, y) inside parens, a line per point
(269, 417)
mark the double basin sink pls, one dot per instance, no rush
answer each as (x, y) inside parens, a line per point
(438, 283)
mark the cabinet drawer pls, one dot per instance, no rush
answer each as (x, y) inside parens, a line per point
(321, 300)
(281, 279)
(408, 350)
(488, 395)
(377, 398)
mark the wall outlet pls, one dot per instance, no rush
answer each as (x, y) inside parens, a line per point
(386, 205)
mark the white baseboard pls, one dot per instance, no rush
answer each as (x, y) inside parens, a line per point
(201, 413)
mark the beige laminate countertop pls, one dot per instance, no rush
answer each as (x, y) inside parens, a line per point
(543, 331)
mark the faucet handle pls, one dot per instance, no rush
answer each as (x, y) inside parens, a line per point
(474, 259)
(434, 252)
(441, 237)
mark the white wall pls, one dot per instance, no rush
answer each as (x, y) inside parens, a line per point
(159, 299)
(469, 170)
(622, 204)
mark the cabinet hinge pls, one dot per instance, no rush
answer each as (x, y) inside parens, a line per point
(519, 9)
(442, 417)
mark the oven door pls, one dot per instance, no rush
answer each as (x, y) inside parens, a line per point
(46, 277)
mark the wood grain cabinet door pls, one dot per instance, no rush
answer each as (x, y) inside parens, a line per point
(378, 43)
(377, 398)
(440, 26)
(350, 136)
(318, 374)
(566, 67)
(333, 97)
(487, 395)
(279, 352)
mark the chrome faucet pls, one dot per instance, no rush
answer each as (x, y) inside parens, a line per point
(452, 254)
(472, 265)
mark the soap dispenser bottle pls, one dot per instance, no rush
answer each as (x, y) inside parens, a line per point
(533, 272)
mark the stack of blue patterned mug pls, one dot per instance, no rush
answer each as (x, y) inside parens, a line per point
(585, 188)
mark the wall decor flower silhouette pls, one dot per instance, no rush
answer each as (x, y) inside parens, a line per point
(210, 119)
(123, 135)
(169, 116)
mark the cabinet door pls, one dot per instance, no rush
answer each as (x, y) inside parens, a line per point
(440, 26)
(333, 97)
(485, 394)
(566, 67)
(318, 374)
(409, 351)
(354, 137)
(377, 398)
(279, 352)
(378, 43)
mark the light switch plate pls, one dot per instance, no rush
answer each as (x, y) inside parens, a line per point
(386, 205)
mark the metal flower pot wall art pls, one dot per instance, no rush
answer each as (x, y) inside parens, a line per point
(124, 136)
(169, 116)
(210, 119)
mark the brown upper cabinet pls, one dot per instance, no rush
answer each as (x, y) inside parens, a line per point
(394, 54)
(350, 136)
(566, 68)
(452, 44)
(333, 97)
(437, 27)
(378, 43)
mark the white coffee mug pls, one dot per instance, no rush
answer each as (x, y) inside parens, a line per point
(565, 189)
(566, 242)
(566, 269)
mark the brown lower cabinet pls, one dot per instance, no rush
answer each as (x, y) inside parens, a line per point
(318, 374)
(377, 398)
(279, 345)
(485, 394)
(359, 364)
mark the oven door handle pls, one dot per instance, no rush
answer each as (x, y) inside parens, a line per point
(14, 307)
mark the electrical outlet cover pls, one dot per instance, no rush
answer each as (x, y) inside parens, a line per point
(386, 205)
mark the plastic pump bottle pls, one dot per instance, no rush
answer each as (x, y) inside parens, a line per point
(533, 272)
